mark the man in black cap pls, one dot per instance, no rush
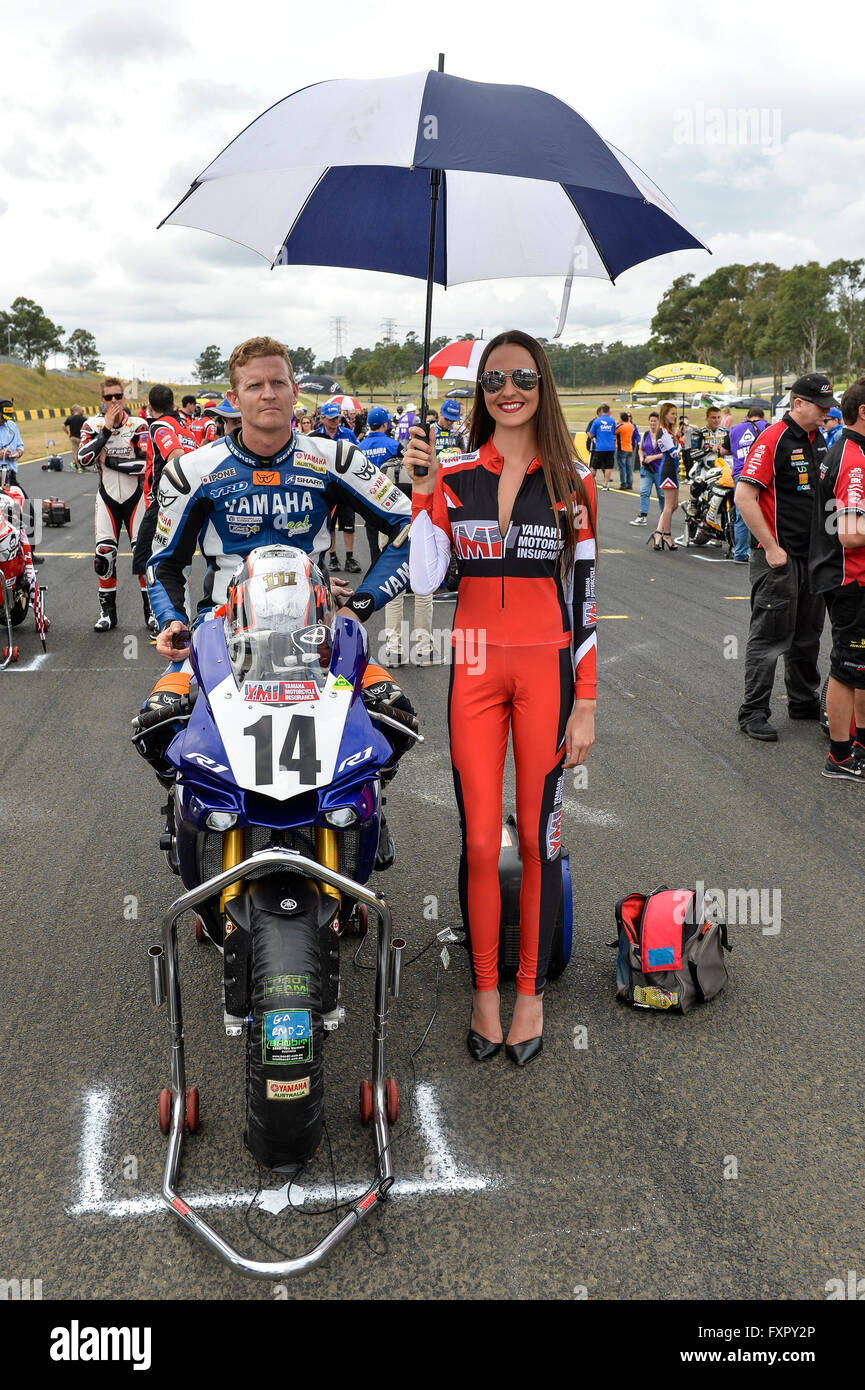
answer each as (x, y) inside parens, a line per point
(775, 499)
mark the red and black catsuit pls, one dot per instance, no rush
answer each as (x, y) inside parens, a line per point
(524, 647)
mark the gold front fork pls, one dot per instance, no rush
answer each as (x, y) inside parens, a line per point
(327, 850)
(232, 854)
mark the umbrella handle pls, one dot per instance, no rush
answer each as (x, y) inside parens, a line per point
(435, 181)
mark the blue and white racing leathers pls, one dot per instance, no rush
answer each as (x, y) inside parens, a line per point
(228, 501)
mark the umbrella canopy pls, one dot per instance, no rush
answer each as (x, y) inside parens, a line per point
(678, 378)
(346, 402)
(457, 360)
(339, 174)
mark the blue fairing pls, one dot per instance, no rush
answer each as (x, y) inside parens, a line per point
(206, 786)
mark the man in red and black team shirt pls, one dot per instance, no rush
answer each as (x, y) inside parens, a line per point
(837, 569)
(775, 499)
(170, 438)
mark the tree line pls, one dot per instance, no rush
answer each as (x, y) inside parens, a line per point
(26, 330)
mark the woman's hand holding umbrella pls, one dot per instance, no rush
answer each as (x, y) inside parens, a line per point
(421, 452)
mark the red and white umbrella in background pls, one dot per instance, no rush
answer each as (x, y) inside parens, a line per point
(346, 402)
(458, 360)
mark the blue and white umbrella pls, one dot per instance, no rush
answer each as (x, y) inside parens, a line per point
(437, 177)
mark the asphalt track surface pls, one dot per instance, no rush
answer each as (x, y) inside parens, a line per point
(643, 1156)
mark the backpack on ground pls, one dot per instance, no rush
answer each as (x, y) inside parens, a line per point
(671, 951)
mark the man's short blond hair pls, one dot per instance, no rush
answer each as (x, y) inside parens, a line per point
(257, 347)
(113, 381)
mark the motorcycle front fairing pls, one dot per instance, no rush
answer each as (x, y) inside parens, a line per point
(277, 762)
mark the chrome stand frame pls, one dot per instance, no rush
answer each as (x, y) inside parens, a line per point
(282, 860)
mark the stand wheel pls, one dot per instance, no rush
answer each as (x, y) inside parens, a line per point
(365, 1102)
(362, 919)
(392, 1101)
(199, 929)
(192, 1109)
(10, 653)
(164, 1110)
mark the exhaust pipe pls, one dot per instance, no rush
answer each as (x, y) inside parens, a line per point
(156, 960)
(397, 946)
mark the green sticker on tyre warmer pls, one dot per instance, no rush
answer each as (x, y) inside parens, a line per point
(286, 1036)
(286, 984)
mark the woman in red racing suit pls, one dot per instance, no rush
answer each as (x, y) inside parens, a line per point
(520, 513)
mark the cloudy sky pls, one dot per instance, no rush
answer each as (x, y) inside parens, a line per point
(110, 112)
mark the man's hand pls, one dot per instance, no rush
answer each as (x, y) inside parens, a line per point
(341, 590)
(776, 556)
(163, 642)
(113, 416)
(580, 733)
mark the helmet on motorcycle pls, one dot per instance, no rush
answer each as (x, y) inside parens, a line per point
(10, 541)
(278, 614)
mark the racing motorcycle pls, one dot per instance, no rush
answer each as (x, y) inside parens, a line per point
(708, 509)
(276, 768)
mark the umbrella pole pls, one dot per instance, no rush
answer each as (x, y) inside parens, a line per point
(435, 180)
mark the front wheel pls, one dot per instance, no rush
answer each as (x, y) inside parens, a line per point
(284, 1072)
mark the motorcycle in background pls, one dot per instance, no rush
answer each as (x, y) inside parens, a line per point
(709, 513)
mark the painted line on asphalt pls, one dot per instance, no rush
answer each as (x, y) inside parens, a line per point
(82, 554)
(609, 617)
(608, 820)
(92, 1199)
(735, 596)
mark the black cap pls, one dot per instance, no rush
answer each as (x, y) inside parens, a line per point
(814, 387)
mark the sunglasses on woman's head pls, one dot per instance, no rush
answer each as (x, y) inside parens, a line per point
(524, 378)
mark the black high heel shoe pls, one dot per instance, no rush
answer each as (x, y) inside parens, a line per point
(522, 1052)
(667, 542)
(659, 544)
(480, 1047)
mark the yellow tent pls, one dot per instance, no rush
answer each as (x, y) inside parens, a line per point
(683, 379)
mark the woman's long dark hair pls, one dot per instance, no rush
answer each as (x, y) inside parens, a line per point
(555, 446)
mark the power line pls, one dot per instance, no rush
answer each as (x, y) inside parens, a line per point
(389, 330)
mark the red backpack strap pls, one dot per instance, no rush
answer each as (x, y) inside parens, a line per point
(661, 933)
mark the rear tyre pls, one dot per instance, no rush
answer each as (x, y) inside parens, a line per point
(284, 1072)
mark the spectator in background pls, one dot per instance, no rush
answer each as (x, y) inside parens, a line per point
(741, 437)
(451, 435)
(686, 440)
(833, 428)
(726, 418)
(668, 445)
(627, 438)
(73, 425)
(343, 518)
(11, 443)
(603, 433)
(650, 461)
(384, 452)
(304, 424)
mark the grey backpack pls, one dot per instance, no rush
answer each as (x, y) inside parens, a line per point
(671, 952)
